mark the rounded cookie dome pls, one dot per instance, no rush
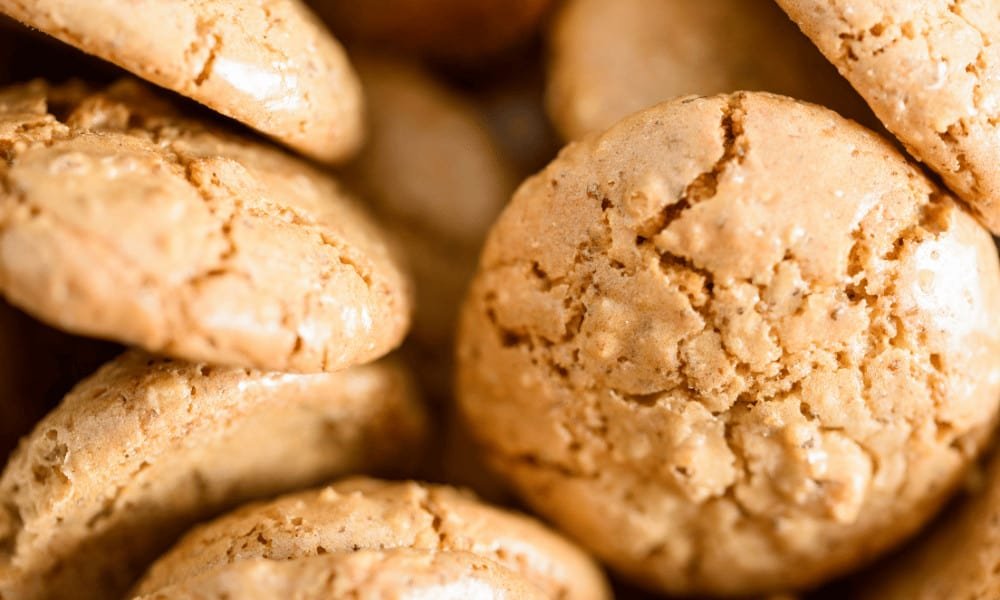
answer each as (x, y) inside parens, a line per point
(734, 344)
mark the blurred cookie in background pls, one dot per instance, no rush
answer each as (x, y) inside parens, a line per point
(610, 59)
(436, 178)
(458, 32)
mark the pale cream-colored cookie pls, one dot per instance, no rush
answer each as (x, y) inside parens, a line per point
(734, 345)
(610, 59)
(931, 72)
(435, 177)
(461, 31)
(396, 573)
(120, 218)
(269, 64)
(146, 447)
(367, 514)
(958, 560)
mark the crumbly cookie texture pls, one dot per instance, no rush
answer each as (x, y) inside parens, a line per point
(454, 31)
(736, 344)
(398, 573)
(367, 514)
(269, 64)
(120, 218)
(146, 447)
(958, 560)
(931, 72)
(611, 59)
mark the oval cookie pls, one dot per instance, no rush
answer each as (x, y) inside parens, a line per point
(120, 218)
(146, 447)
(367, 514)
(271, 65)
(734, 345)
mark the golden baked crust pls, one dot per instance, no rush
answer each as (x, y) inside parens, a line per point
(271, 65)
(931, 72)
(367, 514)
(146, 447)
(610, 59)
(396, 573)
(735, 344)
(120, 218)
(461, 31)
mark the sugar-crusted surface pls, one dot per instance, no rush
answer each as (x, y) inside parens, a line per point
(120, 218)
(730, 335)
(146, 447)
(393, 573)
(267, 63)
(367, 514)
(931, 72)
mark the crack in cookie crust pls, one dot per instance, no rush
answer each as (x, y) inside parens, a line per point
(120, 218)
(944, 104)
(729, 345)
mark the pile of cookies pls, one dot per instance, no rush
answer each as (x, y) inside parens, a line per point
(268, 266)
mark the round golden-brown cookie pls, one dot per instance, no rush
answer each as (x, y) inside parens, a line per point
(146, 447)
(958, 560)
(120, 218)
(367, 514)
(610, 59)
(931, 72)
(457, 31)
(395, 573)
(435, 177)
(271, 65)
(735, 344)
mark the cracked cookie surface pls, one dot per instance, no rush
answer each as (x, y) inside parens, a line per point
(368, 514)
(610, 59)
(398, 573)
(733, 345)
(146, 447)
(931, 72)
(269, 64)
(120, 218)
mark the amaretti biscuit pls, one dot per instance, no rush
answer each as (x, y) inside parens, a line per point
(120, 218)
(146, 447)
(958, 560)
(610, 59)
(454, 31)
(931, 72)
(397, 573)
(435, 177)
(271, 65)
(734, 345)
(370, 515)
